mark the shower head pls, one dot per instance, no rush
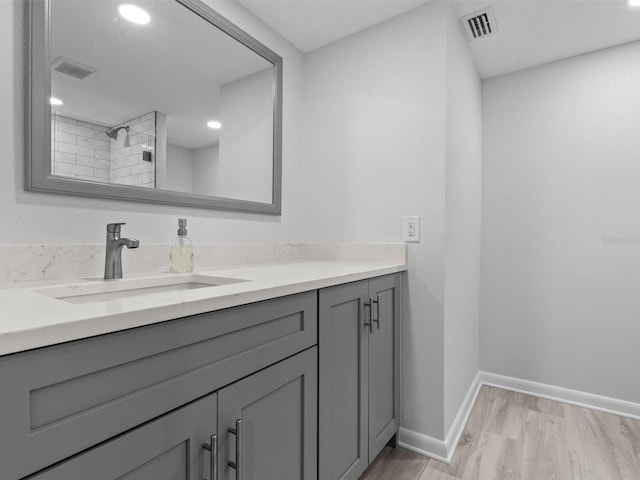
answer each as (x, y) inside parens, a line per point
(113, 131)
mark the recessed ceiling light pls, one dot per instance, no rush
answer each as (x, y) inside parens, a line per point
(55, 101)
(634, 3)
(214, 125)
(134, 14)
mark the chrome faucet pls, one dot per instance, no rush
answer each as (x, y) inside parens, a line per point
(113, 257)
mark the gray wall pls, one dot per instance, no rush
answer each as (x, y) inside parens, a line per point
(204, 169)
(179, 168)
(384, 143)
(374, 130)
(561, 224)
(463, 198)
(244, 169)
(192, 171)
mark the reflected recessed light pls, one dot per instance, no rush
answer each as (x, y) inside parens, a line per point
(214, 125)
(134, 14)
(634, 3)
(55, 101)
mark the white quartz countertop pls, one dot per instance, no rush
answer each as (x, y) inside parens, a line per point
(30, 319)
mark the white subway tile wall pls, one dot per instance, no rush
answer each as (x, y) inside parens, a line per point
(79, 149)
(127, 165)
(83, 150)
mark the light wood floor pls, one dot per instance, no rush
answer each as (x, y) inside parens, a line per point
(513, 436)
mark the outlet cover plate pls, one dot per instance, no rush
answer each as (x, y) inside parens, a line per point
(411, 229)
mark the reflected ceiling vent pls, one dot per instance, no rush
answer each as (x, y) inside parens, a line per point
(480, 24)
(72, 68)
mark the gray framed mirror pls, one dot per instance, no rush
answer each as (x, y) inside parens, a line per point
(183, 109)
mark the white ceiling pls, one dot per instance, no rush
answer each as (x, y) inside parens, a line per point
(536, 32)
(310, 24)
(531, 32)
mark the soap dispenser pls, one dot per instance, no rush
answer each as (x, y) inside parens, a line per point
(182, 250)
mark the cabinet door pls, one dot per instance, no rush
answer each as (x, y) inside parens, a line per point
(343, 376)
(169, 448)
(384, 358)
(278, 432)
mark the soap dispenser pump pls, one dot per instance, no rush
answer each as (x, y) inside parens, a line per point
(182, 250)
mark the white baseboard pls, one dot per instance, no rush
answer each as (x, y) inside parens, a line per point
(565, 395)
(443, 450)
(423, 444)
(457, 427)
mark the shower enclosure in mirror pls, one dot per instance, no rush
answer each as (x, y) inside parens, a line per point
(175, 105)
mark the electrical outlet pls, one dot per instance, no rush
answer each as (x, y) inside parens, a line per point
(411, 229)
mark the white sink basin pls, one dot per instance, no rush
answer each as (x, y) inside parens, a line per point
(104, 290)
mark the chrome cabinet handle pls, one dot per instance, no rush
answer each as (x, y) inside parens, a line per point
(212, 447)
(376, 302)
(370, 322)
(238, 433)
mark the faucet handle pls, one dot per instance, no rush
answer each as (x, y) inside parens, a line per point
(114, 227)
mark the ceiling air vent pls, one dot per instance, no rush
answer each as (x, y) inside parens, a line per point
(72, 68)
(480, 24)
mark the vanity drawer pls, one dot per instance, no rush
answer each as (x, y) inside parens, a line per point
(60, 400)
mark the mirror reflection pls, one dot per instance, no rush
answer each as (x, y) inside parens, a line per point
(154, 96)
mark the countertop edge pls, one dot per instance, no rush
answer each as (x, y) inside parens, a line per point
(16, 341)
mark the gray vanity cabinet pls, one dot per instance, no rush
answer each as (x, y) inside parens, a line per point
(358, 374)
(293, 389)
(277, 434)
(65, 399)
(169, 448)
(277, 409)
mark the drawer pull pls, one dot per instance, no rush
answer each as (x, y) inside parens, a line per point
(370, 322)
(238, 433)
(213, 463)
(376, 319)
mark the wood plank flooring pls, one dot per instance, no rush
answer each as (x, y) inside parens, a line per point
(513, 436)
